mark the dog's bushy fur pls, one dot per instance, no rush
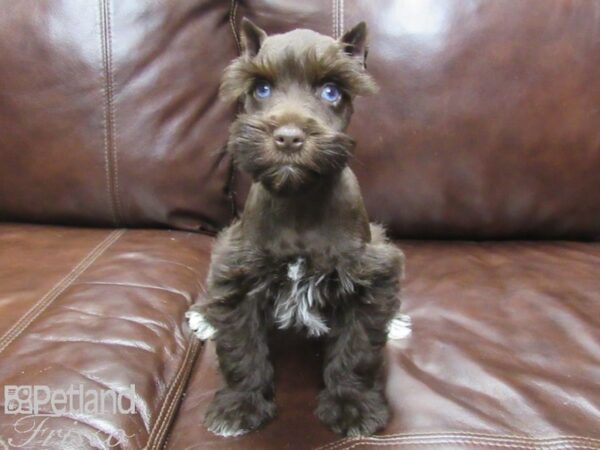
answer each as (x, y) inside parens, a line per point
(303, 255)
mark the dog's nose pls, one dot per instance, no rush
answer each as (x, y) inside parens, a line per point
(289, 137)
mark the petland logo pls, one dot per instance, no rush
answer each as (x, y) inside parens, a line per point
(36, 405)
(40, 400)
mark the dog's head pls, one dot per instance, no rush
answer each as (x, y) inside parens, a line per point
(296, 91)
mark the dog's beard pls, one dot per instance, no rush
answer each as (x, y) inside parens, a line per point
(324, 154)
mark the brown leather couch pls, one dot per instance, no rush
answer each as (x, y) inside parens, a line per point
(481, 154)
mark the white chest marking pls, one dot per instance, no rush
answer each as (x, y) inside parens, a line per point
(298, 305)
(296, 269)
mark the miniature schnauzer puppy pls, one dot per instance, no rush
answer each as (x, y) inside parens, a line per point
(303, 255)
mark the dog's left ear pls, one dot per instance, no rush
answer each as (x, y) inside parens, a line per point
(354, 42)
(251, 37)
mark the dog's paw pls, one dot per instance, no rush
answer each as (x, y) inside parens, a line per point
(359, 414)
(234, 413)
(400, 327)
(199, 325)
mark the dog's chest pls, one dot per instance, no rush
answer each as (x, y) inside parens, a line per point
(299, 302)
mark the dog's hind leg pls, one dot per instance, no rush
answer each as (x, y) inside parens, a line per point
(353, 401)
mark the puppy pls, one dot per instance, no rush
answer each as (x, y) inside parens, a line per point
(303, 254)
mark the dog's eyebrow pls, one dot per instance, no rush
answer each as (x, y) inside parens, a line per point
(335, 65)
(242, 73)
(313, 68)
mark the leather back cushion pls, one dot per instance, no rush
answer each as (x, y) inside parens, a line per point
(487, 124)
(108, 112)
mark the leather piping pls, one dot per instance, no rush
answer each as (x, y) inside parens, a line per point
(17, 329)
(466, 440)
(110, 129)
(232, 23)
(158, 433)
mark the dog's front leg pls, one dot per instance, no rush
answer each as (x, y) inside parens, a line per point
(246, 401)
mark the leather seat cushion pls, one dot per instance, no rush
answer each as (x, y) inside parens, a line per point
(102, 309)
(504, 354)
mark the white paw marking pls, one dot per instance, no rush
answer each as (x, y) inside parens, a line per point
(200, 326)
(224, 430)
(356, 432)
(400, 327)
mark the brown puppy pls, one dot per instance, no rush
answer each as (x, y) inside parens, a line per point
(303, 255)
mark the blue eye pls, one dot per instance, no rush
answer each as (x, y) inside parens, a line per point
(330, 92)
(262, 89)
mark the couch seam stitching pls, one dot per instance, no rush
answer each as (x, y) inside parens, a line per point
(194, 345)
(163, 432)
(113, 113)
(488, 436)
(171, 396)
(47, 299)
(334, 18)
(474, 437)
(109, 123)
(469, 442)
(232, 13)
(524, 441)
(104, 113)
(341, 19)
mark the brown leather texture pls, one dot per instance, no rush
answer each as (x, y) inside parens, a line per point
(503, 354)
(102, 309)
(487, 126)
(109, 112)
(487, 123)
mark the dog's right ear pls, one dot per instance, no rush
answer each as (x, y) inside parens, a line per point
(355, 43)
(251, 37)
